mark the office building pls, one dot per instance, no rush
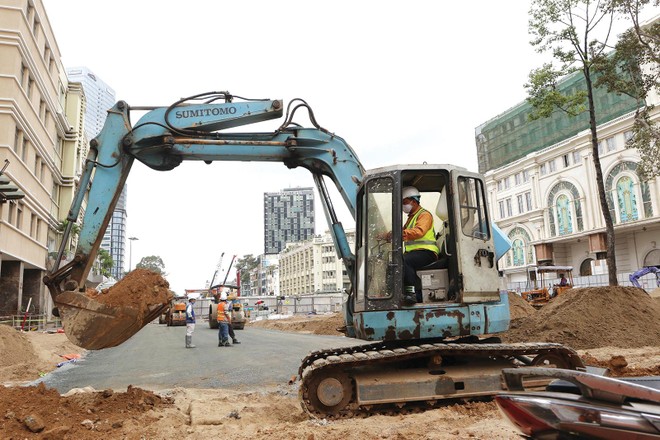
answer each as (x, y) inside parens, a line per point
(312, 266)
(100, 97)
(288, 218)
(41, 138)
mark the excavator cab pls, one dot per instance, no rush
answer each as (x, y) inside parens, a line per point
(456, 199)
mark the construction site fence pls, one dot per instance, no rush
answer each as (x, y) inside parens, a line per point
(31, 322)
(647, 282)
(290, 305)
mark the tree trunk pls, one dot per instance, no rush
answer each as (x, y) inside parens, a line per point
(609, 225)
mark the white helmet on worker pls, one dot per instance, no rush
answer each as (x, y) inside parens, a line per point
(223, 296)
(410, 192)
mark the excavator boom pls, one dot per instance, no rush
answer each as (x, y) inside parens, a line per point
(162, 139)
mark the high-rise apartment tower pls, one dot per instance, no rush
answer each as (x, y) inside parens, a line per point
(288, 218)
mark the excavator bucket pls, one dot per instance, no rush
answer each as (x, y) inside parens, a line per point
(94, 325)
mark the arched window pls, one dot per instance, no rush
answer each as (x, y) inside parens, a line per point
(652, 258)
(518, 248)
(623, 191)
(627, 199)
(564, 215)
(565, 210)
(522, 251)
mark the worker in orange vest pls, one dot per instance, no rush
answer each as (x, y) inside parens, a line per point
(224, 319)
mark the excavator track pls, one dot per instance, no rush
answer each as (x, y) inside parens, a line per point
(346, 382)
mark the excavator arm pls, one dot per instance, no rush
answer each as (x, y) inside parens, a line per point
(162, 139)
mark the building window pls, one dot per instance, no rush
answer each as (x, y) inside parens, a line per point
(19, 215)
(627, 200)
(543, 169)
(565, 209)
(552, 166)
(522, 252)
(520, 203)
(627, 195)
(576, 157)
(518, 178)
(518, 249)
(564, 215)
(528, 200)
(507, 184)
(509, 209)
(611, 144)
(525, 176)
(37, 167)
(18, 141)
(627, 135)
(25, 76)
(24, 150)
(30, 86)
(501, 204)
(566, 160)
(499, 185)
(33, 225)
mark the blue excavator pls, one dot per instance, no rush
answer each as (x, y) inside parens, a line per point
(444, 346)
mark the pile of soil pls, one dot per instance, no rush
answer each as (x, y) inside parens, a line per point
(28, 411)
(17, 355)
(326, 324)
(590, 317)
(28, 355)
(141, 289)
(518, 307)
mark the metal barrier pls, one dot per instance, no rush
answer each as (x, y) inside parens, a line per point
(648, 283)
(32, 322)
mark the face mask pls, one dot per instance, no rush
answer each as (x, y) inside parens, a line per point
(407, 208)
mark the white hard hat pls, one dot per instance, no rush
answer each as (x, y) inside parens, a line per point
(410, 191)
(223, 296)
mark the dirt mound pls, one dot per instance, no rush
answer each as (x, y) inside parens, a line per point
(29, 410)
(326, 324)
(139, 289)
(593, 317)
(518, 307)
(18, 360)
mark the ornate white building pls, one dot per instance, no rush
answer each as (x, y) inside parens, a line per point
(542, 190)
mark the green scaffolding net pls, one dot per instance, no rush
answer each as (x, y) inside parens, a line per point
(512, 135)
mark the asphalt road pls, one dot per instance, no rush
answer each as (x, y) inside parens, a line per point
(156, 358)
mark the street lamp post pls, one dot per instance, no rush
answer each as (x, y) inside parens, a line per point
(130, 252)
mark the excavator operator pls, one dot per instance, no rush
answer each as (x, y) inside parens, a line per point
(419, 243)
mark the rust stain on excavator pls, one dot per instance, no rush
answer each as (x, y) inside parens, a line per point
(366, 330)
(437, 313)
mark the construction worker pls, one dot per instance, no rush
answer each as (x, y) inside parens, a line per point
(232, 335)
(190, 322)
(224, 318)
(419, 243)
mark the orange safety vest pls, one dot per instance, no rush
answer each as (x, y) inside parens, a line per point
(222, 313)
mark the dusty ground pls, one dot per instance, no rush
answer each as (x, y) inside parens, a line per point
(618, 328)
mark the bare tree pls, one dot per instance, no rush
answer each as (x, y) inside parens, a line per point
(575, 33)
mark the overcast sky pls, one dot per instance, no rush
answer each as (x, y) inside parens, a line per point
(401, 82)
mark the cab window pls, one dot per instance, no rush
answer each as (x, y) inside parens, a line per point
(472, 202)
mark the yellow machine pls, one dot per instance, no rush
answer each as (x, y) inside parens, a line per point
(540, 285)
